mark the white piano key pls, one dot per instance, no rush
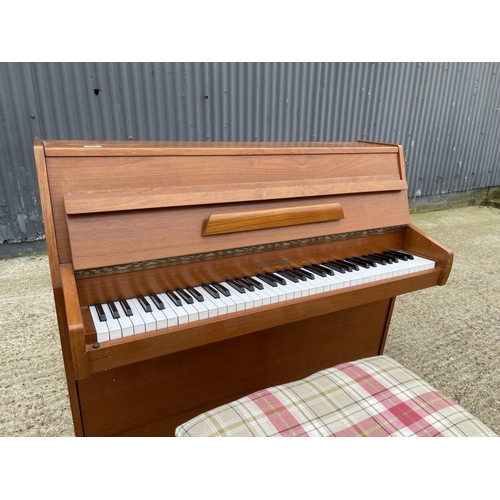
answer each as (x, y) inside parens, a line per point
(305, 291)
(201, 308)
(344, 279)
(371, 273)
(214, 308)
(115, 330)
(314, 287)
(229, 303)
(382, 272)
(358, 277)
(254, 297)
(159, 316)
(393, 270)
(182, 311)
(137, 322)
(424, 264)
(284, 293)
(101, 327)
(321, 283)
(260, 297)
(192, 313)
(367, 274)
(293, 291)
(249, 299)
(169, 311)
(236, 298)
(147, 318)
(405, 267)
(266, 298)
(125, 322)
(270, 290)
(182, 314)
(336, 282)
(317, 285)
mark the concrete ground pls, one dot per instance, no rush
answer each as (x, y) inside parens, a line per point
(448, 335)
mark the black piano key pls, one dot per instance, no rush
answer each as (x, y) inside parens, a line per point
(267, 280)
(126, 307)
(403, 254)
(195, 293)
(347, 265)
(304, 273)
(157, 301)
(113, 309)
(334, 266)
(221, 288)
(144, 303)
(278, 279)
(393, 255)
(297, 272)
(375, 258)
(236, 286)
(100, 312)
(370, 262)
(253, 282)
(288, 275)
(358, 261)
(245, 284)
(314, 270)
(173, 297)
(184, 295)
(389, 258)
(323, 268)
(211, 290)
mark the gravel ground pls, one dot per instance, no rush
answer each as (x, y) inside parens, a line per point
(449, 335)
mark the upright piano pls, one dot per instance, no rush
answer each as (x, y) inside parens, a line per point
(189, 274)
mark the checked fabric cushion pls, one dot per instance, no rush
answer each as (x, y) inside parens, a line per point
(374, 396)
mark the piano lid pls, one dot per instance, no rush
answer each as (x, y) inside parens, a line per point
(119, 202)
(162, 148)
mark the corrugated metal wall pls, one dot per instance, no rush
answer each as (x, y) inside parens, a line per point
(446, 115)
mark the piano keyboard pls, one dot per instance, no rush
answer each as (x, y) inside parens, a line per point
(122, 318)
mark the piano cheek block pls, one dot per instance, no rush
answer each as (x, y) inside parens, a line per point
(253, 220)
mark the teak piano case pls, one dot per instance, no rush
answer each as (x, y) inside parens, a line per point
(128, 218)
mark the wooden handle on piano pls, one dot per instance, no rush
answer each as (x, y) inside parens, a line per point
(252, 220)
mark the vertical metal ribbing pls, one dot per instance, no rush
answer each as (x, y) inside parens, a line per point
(446, 115)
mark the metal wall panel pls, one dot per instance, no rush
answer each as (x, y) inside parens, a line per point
(20, 211)
(446, 115)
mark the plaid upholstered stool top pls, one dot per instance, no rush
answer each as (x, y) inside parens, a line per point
(370, 397)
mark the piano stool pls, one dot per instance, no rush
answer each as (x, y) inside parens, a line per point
(374, 396)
